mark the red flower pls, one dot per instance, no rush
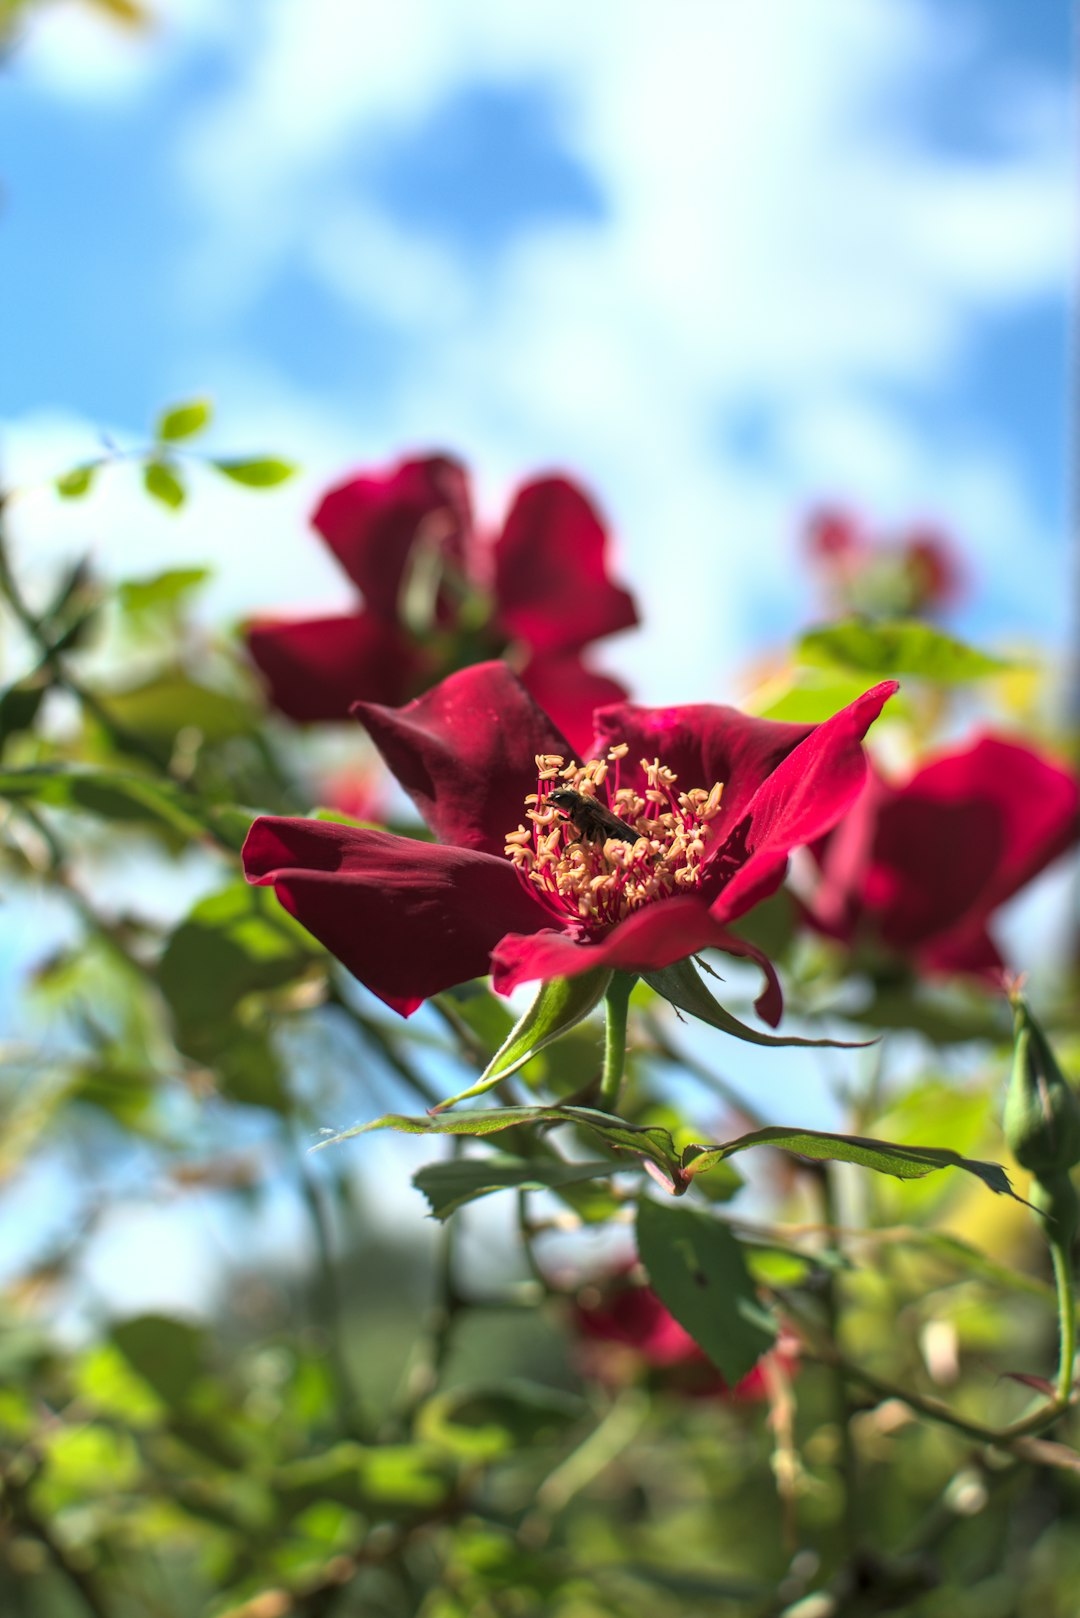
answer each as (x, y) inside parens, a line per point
(438, 596)
(627, 1333)
(510, 889)
(920, 868)
(919, 572)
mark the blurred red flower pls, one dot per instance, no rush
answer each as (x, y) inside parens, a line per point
(438, 595)
(718, 800)
(919, 572)
(918, 869)
(626, 1334)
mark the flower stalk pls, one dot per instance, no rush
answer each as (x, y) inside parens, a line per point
(616, 1010)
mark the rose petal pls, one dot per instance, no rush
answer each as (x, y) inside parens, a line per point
(937, 855)
(316, 668)
(465, 752)
(569, 693)
(372, 522)
(702, 743)
(804, 797)
(551, 579)
(407, 918)
(651, 938)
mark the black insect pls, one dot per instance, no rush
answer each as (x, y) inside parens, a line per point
(591, 820)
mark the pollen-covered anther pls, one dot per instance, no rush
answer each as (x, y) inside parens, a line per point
(576, 856)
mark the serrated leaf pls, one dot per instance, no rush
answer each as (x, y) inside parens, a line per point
(183, 420)
(902, 646)
(647, 1141)
(559, 1005)
(160, 481)
(681, 985)
(886, 1157)
(262, 474)
(450, 1185)
(697, 1270)
(74, 484)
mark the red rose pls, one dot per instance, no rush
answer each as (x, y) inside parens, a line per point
(437, 595)
(920, 868)
(717, 800)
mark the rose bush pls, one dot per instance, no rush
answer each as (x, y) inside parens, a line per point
(439, 594)
(718, 799)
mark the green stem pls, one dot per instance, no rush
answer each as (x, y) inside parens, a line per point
(1065, 1281)
(616, 1007)
(833, 1315)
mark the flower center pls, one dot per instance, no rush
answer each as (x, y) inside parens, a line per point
(597, 851)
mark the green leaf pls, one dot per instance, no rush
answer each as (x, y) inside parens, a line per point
(166, 1353)
(808, 696)
(647, 1141)
(183, 420)
(386, 1477)
(74, 484)
(19, 706)
(229, 945)
(161, 707)
(558, 1006)
(681, 985)
(161, 481)
(108, 793)
(902, 646)
(448, 1186)
(256, 474)
(480, 1423)
(886, 1157)
(161, 592)
(697, 1270)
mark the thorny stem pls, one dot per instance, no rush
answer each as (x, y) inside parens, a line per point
(616, 1007)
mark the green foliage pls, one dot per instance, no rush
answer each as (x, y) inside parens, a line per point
(681, 985)
(162, 481)
(264, 474)
(904, 646)
(559, 1006)
(74, 484)
(697, 1269)
(183, 420)
(450, 1185)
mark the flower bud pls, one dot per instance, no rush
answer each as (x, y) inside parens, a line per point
(1042, 1112)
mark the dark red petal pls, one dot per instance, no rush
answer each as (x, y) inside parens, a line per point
(962, 836)
(372, 522)
(551, 579)
(703, 743)
(465, 752)
(663, 932)
(803, 798)
(407, 918)
(316, 668)
(569, 693)
(972, 952)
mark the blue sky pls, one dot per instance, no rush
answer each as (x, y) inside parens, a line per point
(776, 255)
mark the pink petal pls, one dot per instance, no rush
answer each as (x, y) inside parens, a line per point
(316, 668)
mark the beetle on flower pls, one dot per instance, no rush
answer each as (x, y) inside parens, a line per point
(718, 800)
